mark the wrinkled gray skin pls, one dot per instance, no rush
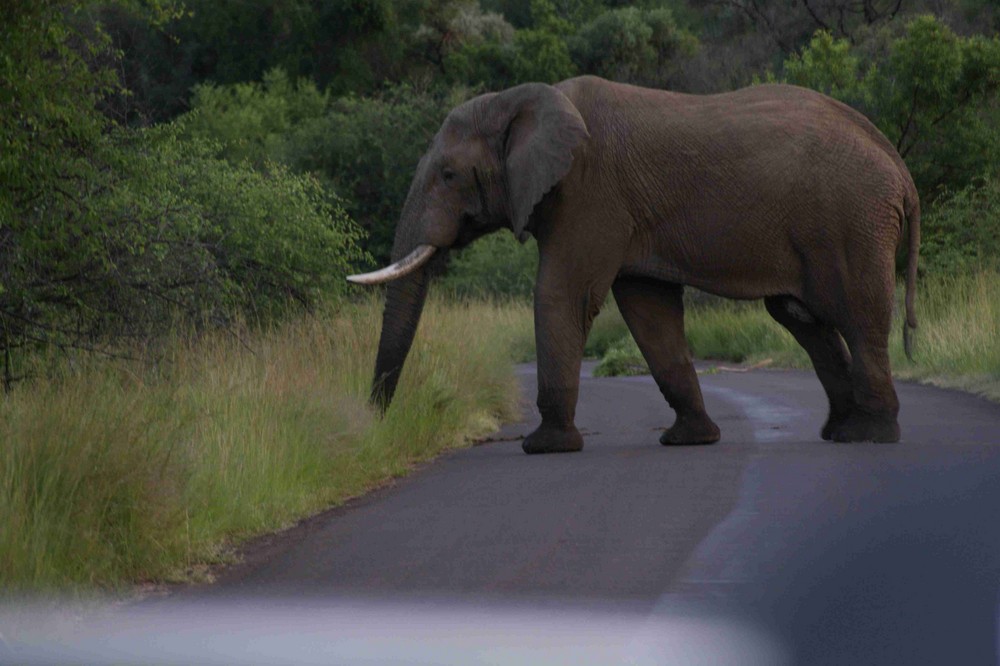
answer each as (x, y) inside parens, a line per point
(772, 192)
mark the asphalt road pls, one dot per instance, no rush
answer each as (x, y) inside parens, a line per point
(849, 553)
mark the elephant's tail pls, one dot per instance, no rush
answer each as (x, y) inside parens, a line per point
(912, 213)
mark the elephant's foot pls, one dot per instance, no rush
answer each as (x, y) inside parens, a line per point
(863, 427)
(691, 430)
(549, 439)
(834, 422)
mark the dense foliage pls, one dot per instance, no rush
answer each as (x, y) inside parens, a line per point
(205, 158)
(961, 231)
(164, 227)
(494, 266)
(108, 232)
(364, 148)
(932, 92)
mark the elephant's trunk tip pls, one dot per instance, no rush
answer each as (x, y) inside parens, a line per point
(411, 262)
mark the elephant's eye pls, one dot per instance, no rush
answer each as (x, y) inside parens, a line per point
(449, 175)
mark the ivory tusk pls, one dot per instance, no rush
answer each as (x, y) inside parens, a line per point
(404, 266)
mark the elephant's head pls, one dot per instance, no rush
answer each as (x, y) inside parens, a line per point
(491, 162)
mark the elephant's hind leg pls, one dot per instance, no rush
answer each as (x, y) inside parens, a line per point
(654, 313)
(827, 352)
(865, 326)
(876, 406)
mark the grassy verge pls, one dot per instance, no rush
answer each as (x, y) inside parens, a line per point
(956, 344)
(607, 330)
(121, 472)
(726, 330)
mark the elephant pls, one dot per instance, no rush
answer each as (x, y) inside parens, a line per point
(769, 192)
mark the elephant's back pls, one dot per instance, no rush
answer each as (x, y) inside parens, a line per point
(763, 117)
(757, 142)
(770, 171)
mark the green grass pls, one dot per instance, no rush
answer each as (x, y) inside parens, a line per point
(956, 342)
(722, 330)
(608, 328)
(741, 332)
(118, 472)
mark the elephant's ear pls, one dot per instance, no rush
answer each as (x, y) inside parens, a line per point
(543, 127)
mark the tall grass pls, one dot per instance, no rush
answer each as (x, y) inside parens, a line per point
(119, 472)
(607, 329)
(956, 343)
(734, 331)
(741, 332)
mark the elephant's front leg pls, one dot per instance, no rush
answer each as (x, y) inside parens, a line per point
(562, 321)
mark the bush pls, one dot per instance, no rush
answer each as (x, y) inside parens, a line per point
(608, 328)
(108, 232)
(632, 45)
(162, 227)
(531, 55)
(365, 149)
(369, 149)
(960, 231)
(495, 266)
(223, 238)
(622, 359)
(256, 121)
(931, 92)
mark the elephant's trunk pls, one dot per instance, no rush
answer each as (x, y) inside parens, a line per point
(403, 304)
(413, 249)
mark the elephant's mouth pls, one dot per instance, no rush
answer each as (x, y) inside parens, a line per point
(465, 238)
(470, 231)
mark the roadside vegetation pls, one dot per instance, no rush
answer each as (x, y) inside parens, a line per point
(955, 344)
(184, 185)
(120, 471)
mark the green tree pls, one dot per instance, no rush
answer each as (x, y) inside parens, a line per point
(830, 65)
(632, 45)
(369, 147)
(364, 149)
(525, 14)
(933, 93)
(541, 55)
(341, 45)
(960, 230)
(531, 55)
(496, 266)
(259, 122)
(51, 134)
(937, 100)
(106, 232)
